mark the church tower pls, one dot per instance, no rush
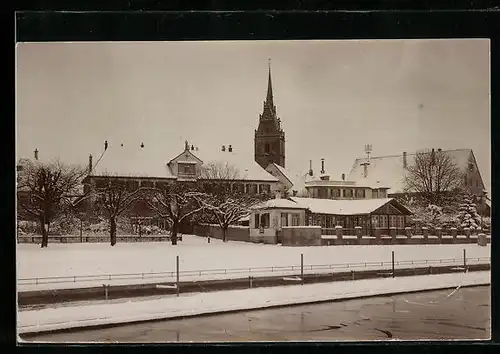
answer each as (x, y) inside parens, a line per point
(269, 137)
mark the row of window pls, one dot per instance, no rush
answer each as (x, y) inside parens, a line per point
(386, 221)
(347, 193)
(264, 220)
(132, 185)
(378, 221)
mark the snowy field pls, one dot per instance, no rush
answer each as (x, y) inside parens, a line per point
(100, 313)
(76, 260)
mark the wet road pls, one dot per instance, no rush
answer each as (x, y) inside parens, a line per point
(446, 314)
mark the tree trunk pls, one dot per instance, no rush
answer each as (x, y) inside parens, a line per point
(173, 235)
(112, 230)
(224, 234)
(45, 234)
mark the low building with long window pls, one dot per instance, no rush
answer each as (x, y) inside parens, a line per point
(370, 214)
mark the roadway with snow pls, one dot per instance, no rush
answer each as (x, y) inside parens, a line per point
(164, 307)
(75, 260)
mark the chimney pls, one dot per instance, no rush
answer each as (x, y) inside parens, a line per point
(106, 145)
(322, 166)
(36, 154)
(90, 164)
(343, 176)
(404, 160)
(223, 147)
(433, 156)
(439, 150)
(365, 169)
(192, 147)
(310, 167)
(230, 148)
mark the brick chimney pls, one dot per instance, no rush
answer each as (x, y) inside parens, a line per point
(343, 176)
(405, 163)
(230, 148)
(223, 147)
(310, 167)
(365, 169)
(322, 166)
(36, 154)
(90, 164)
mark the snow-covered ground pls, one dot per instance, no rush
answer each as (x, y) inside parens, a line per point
(215, 302)
(70, 260)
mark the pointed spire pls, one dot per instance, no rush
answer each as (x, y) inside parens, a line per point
(269, 98)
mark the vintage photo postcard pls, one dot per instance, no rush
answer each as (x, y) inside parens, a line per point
(253, 191)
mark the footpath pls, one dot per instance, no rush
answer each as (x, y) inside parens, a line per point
(119, 311)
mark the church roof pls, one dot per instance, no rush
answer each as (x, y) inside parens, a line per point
(389, 170)
(285, 172)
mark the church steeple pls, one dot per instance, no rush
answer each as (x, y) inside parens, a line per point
(269, 137)
(269, 97)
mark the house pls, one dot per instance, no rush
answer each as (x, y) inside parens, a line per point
(322, 187)
(268, 219)
(369, 214)
(391, 170)
(136, 170)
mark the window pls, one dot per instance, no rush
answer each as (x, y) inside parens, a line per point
(295, 219)
(348, 193)
(360, 193)
(252, 189)
(336, 192)
(374, 194)
(187, 169)
(382, 193)
(383, 221)
(265, 220)
(257, 221)
(401, 222)
(266, 148)
(393, 220)
(264, 188)
(147, 184)
(375, 221)
(239, 188)
(284, 219)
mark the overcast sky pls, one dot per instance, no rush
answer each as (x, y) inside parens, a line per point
(333, 97)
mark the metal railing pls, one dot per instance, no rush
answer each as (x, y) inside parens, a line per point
(227, 273)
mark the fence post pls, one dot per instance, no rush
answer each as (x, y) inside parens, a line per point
(105, 291)
(302, 268)
(465, 262)
(393, 264)
(250, 280)
(177, 271)
(352, 274)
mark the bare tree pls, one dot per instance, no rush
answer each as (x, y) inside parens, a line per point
(46, 190)
(222, 198)
(174, 202)
(114, 196)
(433, 176)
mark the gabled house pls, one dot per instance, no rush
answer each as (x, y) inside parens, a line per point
(391, 170)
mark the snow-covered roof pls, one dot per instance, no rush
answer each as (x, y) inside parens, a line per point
(280, 204)
(341, 207)
(389, 170)
(285, 172)
(299, 182)
(129, 161)
(245, 164)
